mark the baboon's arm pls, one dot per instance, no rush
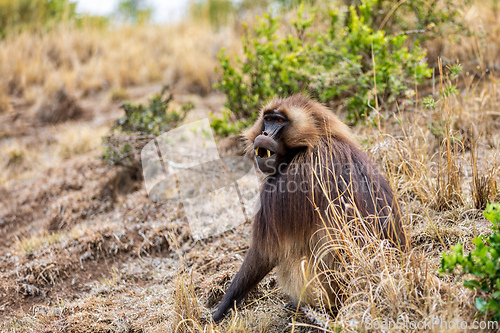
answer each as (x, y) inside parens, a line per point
(255, 266)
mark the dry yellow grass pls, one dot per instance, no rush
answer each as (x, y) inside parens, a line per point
(88, 60)
(20, 160)
(28, 245)
(483, 50)
(17, 161)
(78, 139)
(4, 101)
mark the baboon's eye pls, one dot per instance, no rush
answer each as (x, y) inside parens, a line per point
(280, 120)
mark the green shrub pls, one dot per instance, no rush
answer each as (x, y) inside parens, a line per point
(342, 63)
(141, 124)
(483, 262)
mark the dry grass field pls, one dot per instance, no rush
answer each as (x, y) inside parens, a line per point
(84, 249)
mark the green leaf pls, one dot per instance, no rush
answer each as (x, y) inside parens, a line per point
(481, 304)
(472, 284)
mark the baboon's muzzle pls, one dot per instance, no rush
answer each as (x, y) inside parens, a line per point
(266, 149)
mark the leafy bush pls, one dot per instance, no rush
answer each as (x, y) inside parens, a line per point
(350, 62)
(141, 124)
(483, 262)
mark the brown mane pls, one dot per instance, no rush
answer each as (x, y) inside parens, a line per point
(326, 193)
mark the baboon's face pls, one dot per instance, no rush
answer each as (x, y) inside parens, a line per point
(269, 145)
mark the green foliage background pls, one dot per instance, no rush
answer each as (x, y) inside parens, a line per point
(349, 61)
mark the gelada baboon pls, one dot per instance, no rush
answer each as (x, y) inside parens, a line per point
(320, 190)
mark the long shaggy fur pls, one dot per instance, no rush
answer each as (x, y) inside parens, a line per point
(338, 184)
(328, 192)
